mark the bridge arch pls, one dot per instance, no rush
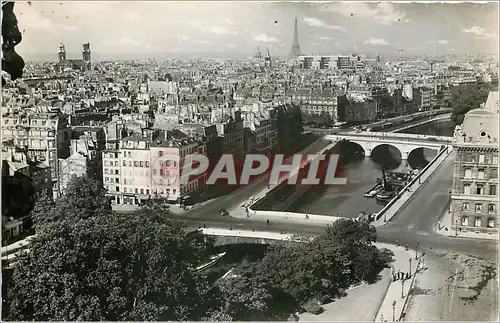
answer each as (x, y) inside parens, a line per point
(404, 143)
(419, 157)
(386, 145)
(359, 146)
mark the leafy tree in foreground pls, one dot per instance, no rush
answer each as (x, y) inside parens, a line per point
(298, 275)
(84, 198)
(244, 299)
(119, 267)
(355, 239)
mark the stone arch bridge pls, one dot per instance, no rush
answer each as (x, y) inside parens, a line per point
(405, 143)
(224, 237)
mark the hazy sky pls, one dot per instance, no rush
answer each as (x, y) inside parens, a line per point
(187, 27)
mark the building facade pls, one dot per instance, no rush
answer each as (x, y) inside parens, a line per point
(44, 136)
(132, 174)
(474, 205)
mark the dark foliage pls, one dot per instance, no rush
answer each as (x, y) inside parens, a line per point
(466, 98)
(302, 276)
(120, 267)
(98, 265)
(289, 125)
(84, 198)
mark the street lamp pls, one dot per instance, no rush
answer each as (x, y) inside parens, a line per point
(416, 251)
(409, 261)
(402, 288)
(394, 311)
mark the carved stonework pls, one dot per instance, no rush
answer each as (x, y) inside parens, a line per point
(12, 63)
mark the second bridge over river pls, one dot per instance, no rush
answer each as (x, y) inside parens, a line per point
(405, 143)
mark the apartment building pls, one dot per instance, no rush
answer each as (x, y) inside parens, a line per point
(134, 182)
(317, 102)
(165, 180)
(230, 130)
(75, 165)
(132, 173)
(43, 134)
(474, 205)
(443, 96)
(261, 133)
(427, 98)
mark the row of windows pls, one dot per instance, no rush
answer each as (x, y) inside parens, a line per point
(136, 163)
(318, 107)
(186, 188)
(33, 122)
(145, 191)
(111, 163)
(482, 159)
(111, 171)
(481, 173)
(478, 208)
(32, 133)
(480, 190)
(478, 222)
(135, 144)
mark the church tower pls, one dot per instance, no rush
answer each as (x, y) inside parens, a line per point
(62, 52)
(86, 56)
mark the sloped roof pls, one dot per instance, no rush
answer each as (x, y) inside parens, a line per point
(483, 120)
(492, 102)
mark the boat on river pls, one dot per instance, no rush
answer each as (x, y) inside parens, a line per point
(373, 192)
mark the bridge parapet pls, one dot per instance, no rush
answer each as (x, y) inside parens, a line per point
(405, 144)
(396, 135)
(229, 237)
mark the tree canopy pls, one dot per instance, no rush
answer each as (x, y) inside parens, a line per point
(87, 263)
(84, 198)
(291, 277)
(466, 98)
(87, 266)
(119, 267)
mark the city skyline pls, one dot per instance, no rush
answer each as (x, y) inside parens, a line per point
(119, 28)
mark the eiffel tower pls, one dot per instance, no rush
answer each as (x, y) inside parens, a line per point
(295, 51)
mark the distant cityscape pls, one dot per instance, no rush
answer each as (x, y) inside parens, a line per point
(78, 109)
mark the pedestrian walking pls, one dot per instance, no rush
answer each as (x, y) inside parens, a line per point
(307, 216)
(381, 317)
